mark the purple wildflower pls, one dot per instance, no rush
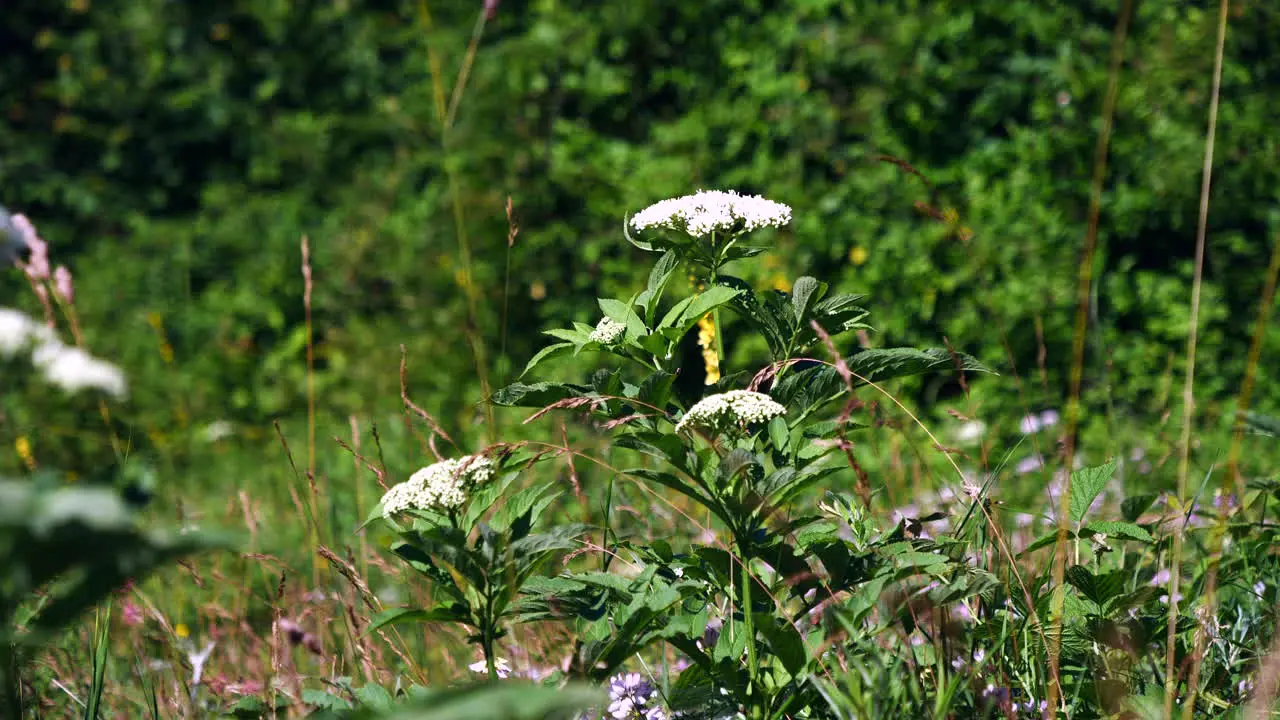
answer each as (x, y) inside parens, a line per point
(1030, 425)
(1030, 463)
(631, 697)
(1049, 418)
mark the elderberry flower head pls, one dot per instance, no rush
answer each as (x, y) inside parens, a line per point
(713, 211)
(631, 697)
(736, 407)
(608, 331)
(443, 485)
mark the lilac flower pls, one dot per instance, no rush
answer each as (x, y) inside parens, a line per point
(979, 655)
(1030, 463)
(1137, 454)
(490, 9)
(1030, 425)
(1160, 578)
(710, 635)
(1049, 418)
(1259, 588)
(631, 697)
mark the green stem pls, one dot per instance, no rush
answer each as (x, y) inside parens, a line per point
(750, 628)
(715, 323)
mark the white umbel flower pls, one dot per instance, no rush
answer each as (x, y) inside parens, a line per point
(73, 370)
(443, 485)
(69, 368)
(18, 332)
(608, 331)
(709, 211)
(736, 407)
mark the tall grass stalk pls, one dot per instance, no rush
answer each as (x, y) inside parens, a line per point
(1079, 335)
(307, 287)
(101, 656)
(1188, 400)
(446, 114)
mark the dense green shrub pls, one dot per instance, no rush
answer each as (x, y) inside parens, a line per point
(181, 150)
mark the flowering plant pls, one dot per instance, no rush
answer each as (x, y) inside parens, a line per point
(455, 525)
(748, 456)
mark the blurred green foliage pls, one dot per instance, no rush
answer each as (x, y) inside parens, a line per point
(175, 153)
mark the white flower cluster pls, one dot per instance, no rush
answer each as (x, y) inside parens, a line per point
(709, 211)
(608, 331)
(740, 407)
(443, 485)
(69, 368)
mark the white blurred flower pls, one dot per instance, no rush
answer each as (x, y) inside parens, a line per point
(500, 666)
(740, 407)
(970, 433)
(713, 211)
(218, 430)
(442, 485)
(73, 370)
(608, 331)
(19, 332)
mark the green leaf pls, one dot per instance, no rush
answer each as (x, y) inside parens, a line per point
(804, 293)
(1113, 529)
(1046, 541)
(536, 394)
(625, 314)
(684, 315)
(1133, 507)
(374, 696)
(784, 641)
(878, 365)
(551, 351)
(659, 277)
(1086, 483)
(512, 700)
(401, 616)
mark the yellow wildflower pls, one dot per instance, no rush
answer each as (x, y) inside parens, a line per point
(858, 255)
(780, 282)
(23, 446)
(707, 341)
(181, 630)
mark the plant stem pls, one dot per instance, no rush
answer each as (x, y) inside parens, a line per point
(750, 628)
(715, 323)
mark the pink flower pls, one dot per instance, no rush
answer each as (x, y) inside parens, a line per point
(63, 284)
(38, 264)
(132, 614)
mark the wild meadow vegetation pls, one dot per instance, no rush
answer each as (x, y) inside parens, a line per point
(647, 361)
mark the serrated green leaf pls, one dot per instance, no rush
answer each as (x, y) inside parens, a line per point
(1086, 483)
(1113, 529)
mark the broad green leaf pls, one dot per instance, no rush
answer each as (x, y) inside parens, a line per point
(804, 293)
(1086, 483)
(1133, 507)
(878, 365)
(401, 616)
(551, 351)
(1113, 529)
